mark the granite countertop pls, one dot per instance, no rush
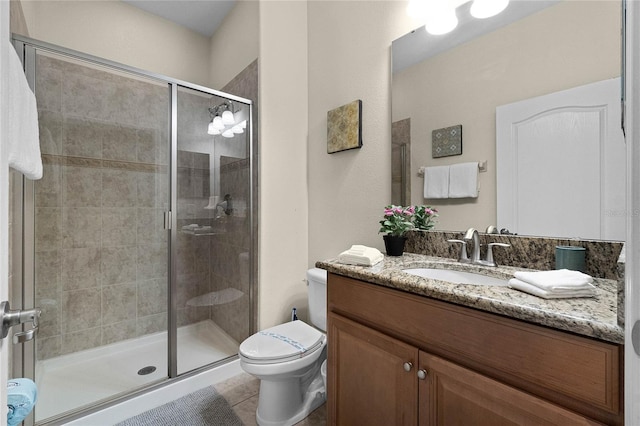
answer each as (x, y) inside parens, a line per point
(588, 316)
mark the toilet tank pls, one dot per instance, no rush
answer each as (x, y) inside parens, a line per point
(317, 280)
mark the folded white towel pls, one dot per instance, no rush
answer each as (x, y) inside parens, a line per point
(361, 255)
(556, 280)
(436, 182)
(23, 150)
(463, 180)
(589, 291)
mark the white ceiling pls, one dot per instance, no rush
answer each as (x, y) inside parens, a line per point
(201, 16)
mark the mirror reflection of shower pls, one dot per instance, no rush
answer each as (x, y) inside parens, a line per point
(226, 144)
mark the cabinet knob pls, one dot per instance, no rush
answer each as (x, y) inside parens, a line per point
(407, 366)
(422, 374)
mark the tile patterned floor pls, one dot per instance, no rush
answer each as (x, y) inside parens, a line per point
(242, 393)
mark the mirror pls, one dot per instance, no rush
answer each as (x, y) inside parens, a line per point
(462, 77)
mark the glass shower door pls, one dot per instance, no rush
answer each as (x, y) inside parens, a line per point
(212, 229)
(101, 250)
(137, 242)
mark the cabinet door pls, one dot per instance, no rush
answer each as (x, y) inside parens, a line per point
(368, 381)
(452, 395)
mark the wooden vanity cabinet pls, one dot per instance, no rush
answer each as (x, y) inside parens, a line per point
(389, 364)
(368, 382)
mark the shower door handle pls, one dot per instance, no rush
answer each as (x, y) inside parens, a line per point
(9, 318)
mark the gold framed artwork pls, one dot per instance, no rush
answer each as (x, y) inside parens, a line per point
(344, 127)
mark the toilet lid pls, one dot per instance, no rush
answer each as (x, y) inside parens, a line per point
(288, 341)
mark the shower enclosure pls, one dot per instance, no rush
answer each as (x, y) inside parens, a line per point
(138, 244)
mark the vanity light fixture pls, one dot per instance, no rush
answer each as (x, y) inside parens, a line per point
(223, 121)
(440, 15)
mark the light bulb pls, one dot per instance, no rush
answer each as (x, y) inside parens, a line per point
(227, 117)
(243, 124)
(487, 8)
(237, 129)
(211, 128)
(441, 21)
(227, 133)
(418, 9)
(217, 123)
(216, 131)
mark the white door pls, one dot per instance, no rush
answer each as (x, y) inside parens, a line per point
(561, 164)
(632, 271)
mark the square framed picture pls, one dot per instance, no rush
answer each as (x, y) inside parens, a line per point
(446, 141)
(344, 127)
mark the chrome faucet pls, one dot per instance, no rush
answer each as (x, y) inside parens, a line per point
(492, 230)
(473, 236)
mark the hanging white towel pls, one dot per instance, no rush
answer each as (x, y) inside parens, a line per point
(436, 182)
(23, 140)
(463, 180)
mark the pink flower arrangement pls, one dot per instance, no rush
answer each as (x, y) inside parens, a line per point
(424, 217)
(398, 220)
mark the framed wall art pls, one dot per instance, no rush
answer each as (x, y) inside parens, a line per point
(344, 127)
(446, 141)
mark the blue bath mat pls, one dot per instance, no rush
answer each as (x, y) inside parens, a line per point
(205, 407)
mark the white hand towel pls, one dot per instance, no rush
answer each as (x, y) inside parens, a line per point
(463, 180)
(559, 294)
(556, 280)
(361, 255)
(436, 182)
(22, 137)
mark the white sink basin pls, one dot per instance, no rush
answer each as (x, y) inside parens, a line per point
(456, 277)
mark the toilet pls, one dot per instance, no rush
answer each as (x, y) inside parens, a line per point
(288, 360)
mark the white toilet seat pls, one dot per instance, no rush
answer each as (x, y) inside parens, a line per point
(285, 342)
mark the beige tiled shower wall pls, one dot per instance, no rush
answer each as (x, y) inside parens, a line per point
(235, 178)
(231, 263)
(101, 247)
(194, 252)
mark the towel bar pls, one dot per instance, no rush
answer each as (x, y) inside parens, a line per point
(482, 167)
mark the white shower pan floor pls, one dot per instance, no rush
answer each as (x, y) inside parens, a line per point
(72, 381)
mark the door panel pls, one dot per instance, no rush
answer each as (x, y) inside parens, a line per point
(561, 164)
(455, 396)
(361, 361)
(100, 250)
